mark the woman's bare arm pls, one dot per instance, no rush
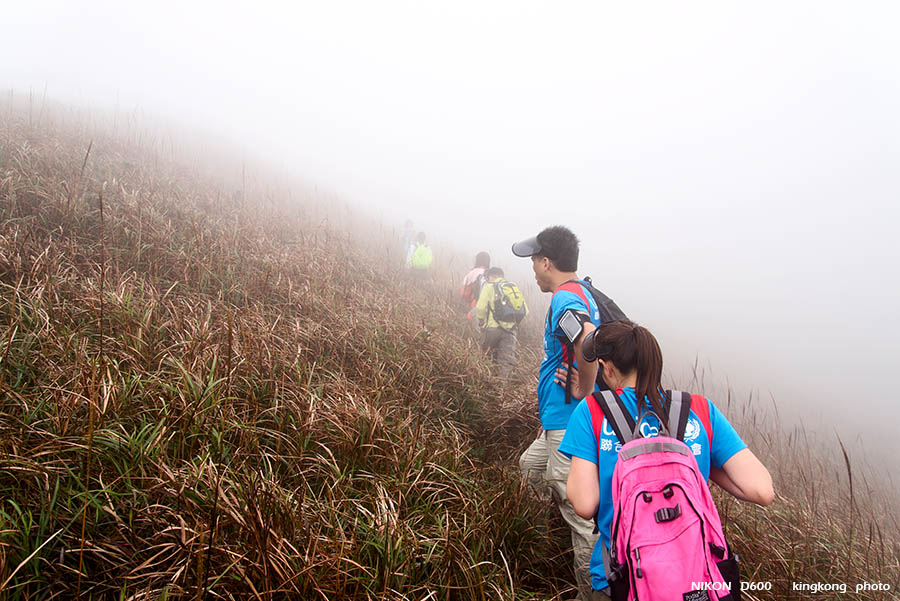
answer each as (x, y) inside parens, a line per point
(583, 487)
(745, 477)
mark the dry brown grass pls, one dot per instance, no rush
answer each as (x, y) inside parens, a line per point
(206, 398)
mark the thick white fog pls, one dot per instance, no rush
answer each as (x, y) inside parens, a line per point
(733, 171)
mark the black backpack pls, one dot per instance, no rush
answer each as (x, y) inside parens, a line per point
(609, 311)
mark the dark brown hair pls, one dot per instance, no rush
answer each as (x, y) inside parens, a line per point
(631, 347)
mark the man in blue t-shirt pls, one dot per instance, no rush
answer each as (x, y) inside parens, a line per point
(573, 313)
(711, 449)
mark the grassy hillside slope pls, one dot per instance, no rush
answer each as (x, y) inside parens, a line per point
(216, 394)
(202, 396)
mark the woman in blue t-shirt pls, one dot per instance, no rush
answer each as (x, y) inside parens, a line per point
(631, 363)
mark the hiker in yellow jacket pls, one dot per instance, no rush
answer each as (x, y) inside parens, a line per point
(499, 310)
(420, 258)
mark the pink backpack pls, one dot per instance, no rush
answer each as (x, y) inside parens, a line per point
(666, 538)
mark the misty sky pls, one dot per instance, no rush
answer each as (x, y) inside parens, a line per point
(732, 170)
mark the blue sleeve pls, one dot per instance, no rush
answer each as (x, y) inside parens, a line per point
(579, 440)
(559, 303)
(725, 442)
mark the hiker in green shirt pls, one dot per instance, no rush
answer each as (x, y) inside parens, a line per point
(499, 310)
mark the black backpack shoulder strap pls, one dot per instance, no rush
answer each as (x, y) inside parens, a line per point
(617, 414)
(679, 412)
(493, 301)
(570, 348)
(498, 293)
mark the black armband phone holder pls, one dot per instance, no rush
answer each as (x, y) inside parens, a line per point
(572, 324)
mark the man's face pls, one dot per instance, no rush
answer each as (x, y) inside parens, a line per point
(541, 267)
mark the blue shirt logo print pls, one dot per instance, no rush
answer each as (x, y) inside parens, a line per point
(648, 431)
(692, 430)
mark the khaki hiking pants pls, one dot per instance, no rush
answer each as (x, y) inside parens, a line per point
(544, 467)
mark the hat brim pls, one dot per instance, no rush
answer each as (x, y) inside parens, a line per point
(527, 247)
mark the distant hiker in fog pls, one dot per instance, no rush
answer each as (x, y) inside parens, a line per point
(500, 309)
(657, 489)
(420, 258)
(554, 259)
(407, 242)
(473, 282)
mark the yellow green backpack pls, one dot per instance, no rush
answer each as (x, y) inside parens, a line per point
(509, 304)
(421, 257)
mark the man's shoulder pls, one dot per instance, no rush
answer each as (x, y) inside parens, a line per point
(573, 287)
(567, 295)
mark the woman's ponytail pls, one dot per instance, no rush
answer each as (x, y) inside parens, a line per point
(631, 347)
(649, 369)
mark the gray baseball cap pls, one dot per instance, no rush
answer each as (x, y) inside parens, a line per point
(527, 247)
